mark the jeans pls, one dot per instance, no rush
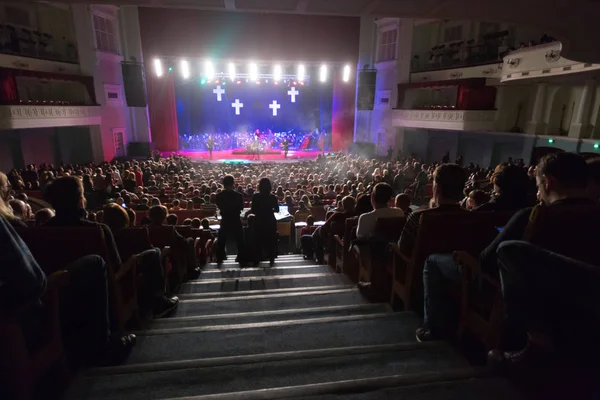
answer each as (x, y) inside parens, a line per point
(233, 231)
(438, 270)
(84, 308)
(535, 280)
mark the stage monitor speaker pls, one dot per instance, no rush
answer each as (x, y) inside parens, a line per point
(134, 84)
(363, 149)
(366, 89)
(139, 149)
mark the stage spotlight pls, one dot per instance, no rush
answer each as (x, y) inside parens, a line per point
(185, 69)
(253, 71)
(203, 82)
(238, 82)
(209, 70)
(277, 73)
(301, 73)
(170, 69)
(158, 67)
(323, 73)
(231, 71)
(346, 74)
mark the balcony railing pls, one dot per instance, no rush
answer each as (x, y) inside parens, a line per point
(31, 43)
(462, 120)
(463, 55)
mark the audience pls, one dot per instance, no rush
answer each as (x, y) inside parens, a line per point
(448, 183)
(350, 187)
(382, 193)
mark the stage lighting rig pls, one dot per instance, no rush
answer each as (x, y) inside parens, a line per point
(323, 73)
(209, 70)
(158, 67)
(231, 71)
(301, 73)
(346, 73)
(185, 69)
(253, 71)
(277, 73)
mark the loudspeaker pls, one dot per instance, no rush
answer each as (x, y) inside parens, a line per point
(138, 149)
(363, 149)
(366, 90)
(134, 84)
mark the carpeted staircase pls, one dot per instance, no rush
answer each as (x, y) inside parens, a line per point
(295, 330)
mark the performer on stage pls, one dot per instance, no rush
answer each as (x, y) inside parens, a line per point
(256, 148)
(210, 144)
(286, 146)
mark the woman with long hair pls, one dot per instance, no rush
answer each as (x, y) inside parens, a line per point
(264, 205)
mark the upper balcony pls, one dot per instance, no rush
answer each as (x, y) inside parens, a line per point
(542, 60)
(462, 104)
(35, 99)
(488, 49)
(23, 42)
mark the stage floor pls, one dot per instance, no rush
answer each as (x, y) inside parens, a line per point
(228, 156)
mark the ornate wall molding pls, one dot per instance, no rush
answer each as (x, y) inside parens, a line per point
(446, 115)
(445, 119)
(23, 117)
(552, 55)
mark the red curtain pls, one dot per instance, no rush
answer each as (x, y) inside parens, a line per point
(163, 112)
(476, 98)
(8, 82)
(8, 87)
(342, 113)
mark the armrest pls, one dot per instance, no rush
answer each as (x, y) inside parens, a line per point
(468, 260)
(396, 251)
(127, 267)
(58, 280)
(338, 240)
(474, 268)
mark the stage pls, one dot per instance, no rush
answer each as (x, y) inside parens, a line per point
(234, 156)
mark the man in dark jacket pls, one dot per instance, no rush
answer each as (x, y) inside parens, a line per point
(230, 204)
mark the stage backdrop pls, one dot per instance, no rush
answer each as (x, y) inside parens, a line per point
(245, 107)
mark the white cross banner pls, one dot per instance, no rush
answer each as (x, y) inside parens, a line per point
(274, 106)
(293, 93)
(218, 91)
(237, 105)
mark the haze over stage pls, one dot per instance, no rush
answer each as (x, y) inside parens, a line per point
(227, 156)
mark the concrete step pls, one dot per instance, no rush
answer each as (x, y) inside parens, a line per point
(265, 282)
(302, 334)
(264, 375)
(278, 299)
(269, 316)
(287, 269)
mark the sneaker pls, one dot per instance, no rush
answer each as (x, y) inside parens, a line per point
(119, 349)
(528, 355)
(425, 334)
(165, 305)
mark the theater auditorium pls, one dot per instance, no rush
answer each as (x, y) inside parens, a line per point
(311, 199)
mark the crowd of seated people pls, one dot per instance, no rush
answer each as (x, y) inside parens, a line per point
(154, 193)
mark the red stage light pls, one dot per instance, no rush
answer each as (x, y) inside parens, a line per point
(238, 82)
(258, 82)
(295, 83)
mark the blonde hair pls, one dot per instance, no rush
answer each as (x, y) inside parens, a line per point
(5, 210)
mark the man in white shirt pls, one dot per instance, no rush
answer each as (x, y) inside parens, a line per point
(382, 193)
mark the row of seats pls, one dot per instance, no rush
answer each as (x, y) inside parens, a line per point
(398, 279)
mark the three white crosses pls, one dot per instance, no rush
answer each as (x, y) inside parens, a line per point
(273, 106)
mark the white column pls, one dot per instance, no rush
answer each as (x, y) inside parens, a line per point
(581, 127)
(139, 121)
(367, 47)
(403, 65)
(535, 123)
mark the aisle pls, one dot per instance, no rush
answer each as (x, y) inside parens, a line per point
(293, 330)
